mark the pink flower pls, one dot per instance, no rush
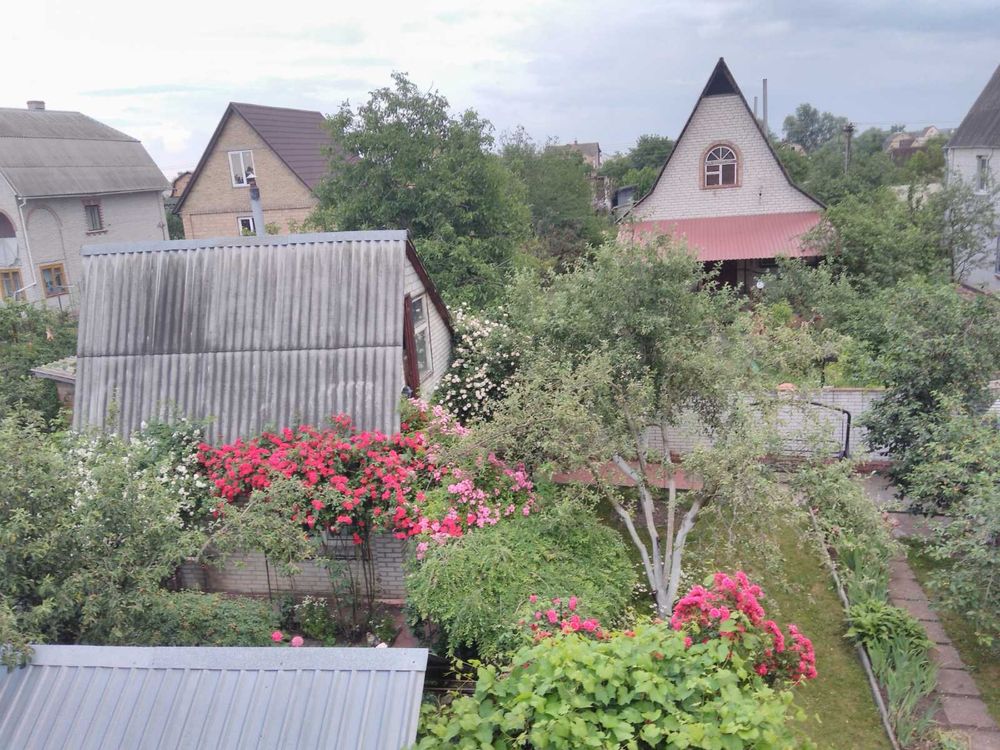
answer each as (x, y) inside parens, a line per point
(297, 641)
(572, 603)
(277, 636)
(553, 617)
(687, 641)
(590, 625)
(533, 598)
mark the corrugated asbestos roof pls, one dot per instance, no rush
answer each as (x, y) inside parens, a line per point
(736, 237)
(981, 126)
(254, 332)
(107, 697)
(44, 153)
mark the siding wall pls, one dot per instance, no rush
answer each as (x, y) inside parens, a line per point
(213, 204)
(440, 335)
(962, 164)
(763, 186)
(251, 334)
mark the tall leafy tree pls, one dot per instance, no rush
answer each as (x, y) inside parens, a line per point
(641, 164)
(405, 161)
(811, 128)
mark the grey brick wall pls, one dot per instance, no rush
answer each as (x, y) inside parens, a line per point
(248, 573)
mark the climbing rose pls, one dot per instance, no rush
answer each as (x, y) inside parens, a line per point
(297, 641)
(277, 636)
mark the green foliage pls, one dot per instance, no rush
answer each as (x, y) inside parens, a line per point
(30, 336)
(810, 128)
(477, 587)
(404, 161)
(646, 691)
(175, 226)
(560, 196)
(14, 649)
(312, 617)
(876, 623)
(193, 618)
(640, 165)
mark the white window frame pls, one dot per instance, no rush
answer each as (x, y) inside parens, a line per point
(252, 226)
(422, 330)
(982, 173)
(243, 167)
(713, 167)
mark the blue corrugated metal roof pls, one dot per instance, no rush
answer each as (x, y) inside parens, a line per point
(90, 697)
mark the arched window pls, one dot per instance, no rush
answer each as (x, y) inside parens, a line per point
(720, 167)
(6, 228)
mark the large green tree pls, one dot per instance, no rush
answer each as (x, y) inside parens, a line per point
(811, 128)
(641, 164)
(404, 161)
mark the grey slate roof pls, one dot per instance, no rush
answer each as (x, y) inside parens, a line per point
(252, 331)
(981, 126)
(46, 153)
(107, 697)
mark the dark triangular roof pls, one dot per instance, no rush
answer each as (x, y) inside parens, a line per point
(981, 126)
(720, 83)
(297, 136)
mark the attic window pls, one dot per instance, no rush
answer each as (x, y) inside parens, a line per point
(982, 173)
(241, 167)
(95, 218)
(421, 335)
(720, 167)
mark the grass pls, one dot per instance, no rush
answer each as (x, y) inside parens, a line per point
(982, 663)
(840, 711)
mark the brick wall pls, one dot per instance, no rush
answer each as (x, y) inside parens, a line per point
(213, 204)
(762, 188)
(800, 425)
(248, 573)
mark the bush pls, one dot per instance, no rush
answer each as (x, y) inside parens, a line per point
(192, 618)
(641, 689)
(877, 623)
(476, 587)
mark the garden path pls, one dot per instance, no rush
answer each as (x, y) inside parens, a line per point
(962, 708)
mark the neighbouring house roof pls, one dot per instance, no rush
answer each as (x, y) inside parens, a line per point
(47, 153)
(589, 150)
(981, 126)
(250, 331)
(297, 136)
(721, 82)
(62, 370)
(75, 697)
(736, 237)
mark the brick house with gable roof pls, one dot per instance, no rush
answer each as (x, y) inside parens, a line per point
(724, 191)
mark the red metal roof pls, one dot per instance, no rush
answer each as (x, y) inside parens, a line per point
(735, 237)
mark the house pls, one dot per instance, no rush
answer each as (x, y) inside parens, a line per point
(591, 153)
(599, 185)
(724, 191)
(257, 331)
(212, 698)
(285, 149)
(973, 156)
(902, 145)
(67, 180)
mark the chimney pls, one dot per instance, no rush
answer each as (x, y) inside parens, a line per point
(36, 104)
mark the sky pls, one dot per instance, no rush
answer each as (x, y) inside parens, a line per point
(575, 70)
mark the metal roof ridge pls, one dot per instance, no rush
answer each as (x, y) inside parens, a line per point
(149, 246)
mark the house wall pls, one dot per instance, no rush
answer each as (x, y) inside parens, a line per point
(763, 187)
(57, 229)
(213, 205)
(962, 164)
(440, 335)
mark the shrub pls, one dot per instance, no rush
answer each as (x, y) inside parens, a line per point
(477, 587)
(192, 618)
(645, 688)
(877, 623)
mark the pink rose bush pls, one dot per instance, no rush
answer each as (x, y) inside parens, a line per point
(355, 481)
(731, 610)
(560, 618)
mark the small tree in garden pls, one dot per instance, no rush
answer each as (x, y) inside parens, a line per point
(618, 350)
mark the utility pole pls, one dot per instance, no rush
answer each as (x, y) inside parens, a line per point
(848, 134)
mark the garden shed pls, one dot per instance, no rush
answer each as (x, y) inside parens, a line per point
(257, 332)
(76, 697)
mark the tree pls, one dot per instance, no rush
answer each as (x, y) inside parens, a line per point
(404, 161)
(641, 164)
(964, 223)
(624, 344)
(810, 128)
(560, 196)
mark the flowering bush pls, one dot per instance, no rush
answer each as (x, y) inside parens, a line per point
(731, 610)
(353, 481)
(561, 618)
(486, 357)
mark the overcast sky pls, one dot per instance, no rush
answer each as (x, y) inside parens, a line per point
(582, 70)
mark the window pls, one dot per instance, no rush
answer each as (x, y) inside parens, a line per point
(95, 218)
(11, 286)
(996, 262)
(241, 167)
(720, 167)
(982, 173)
(54, 279)
(421, 335)
(246, 226)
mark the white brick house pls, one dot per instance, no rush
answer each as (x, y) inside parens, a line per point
(67, 180)
(724, 191)
(973, 156)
